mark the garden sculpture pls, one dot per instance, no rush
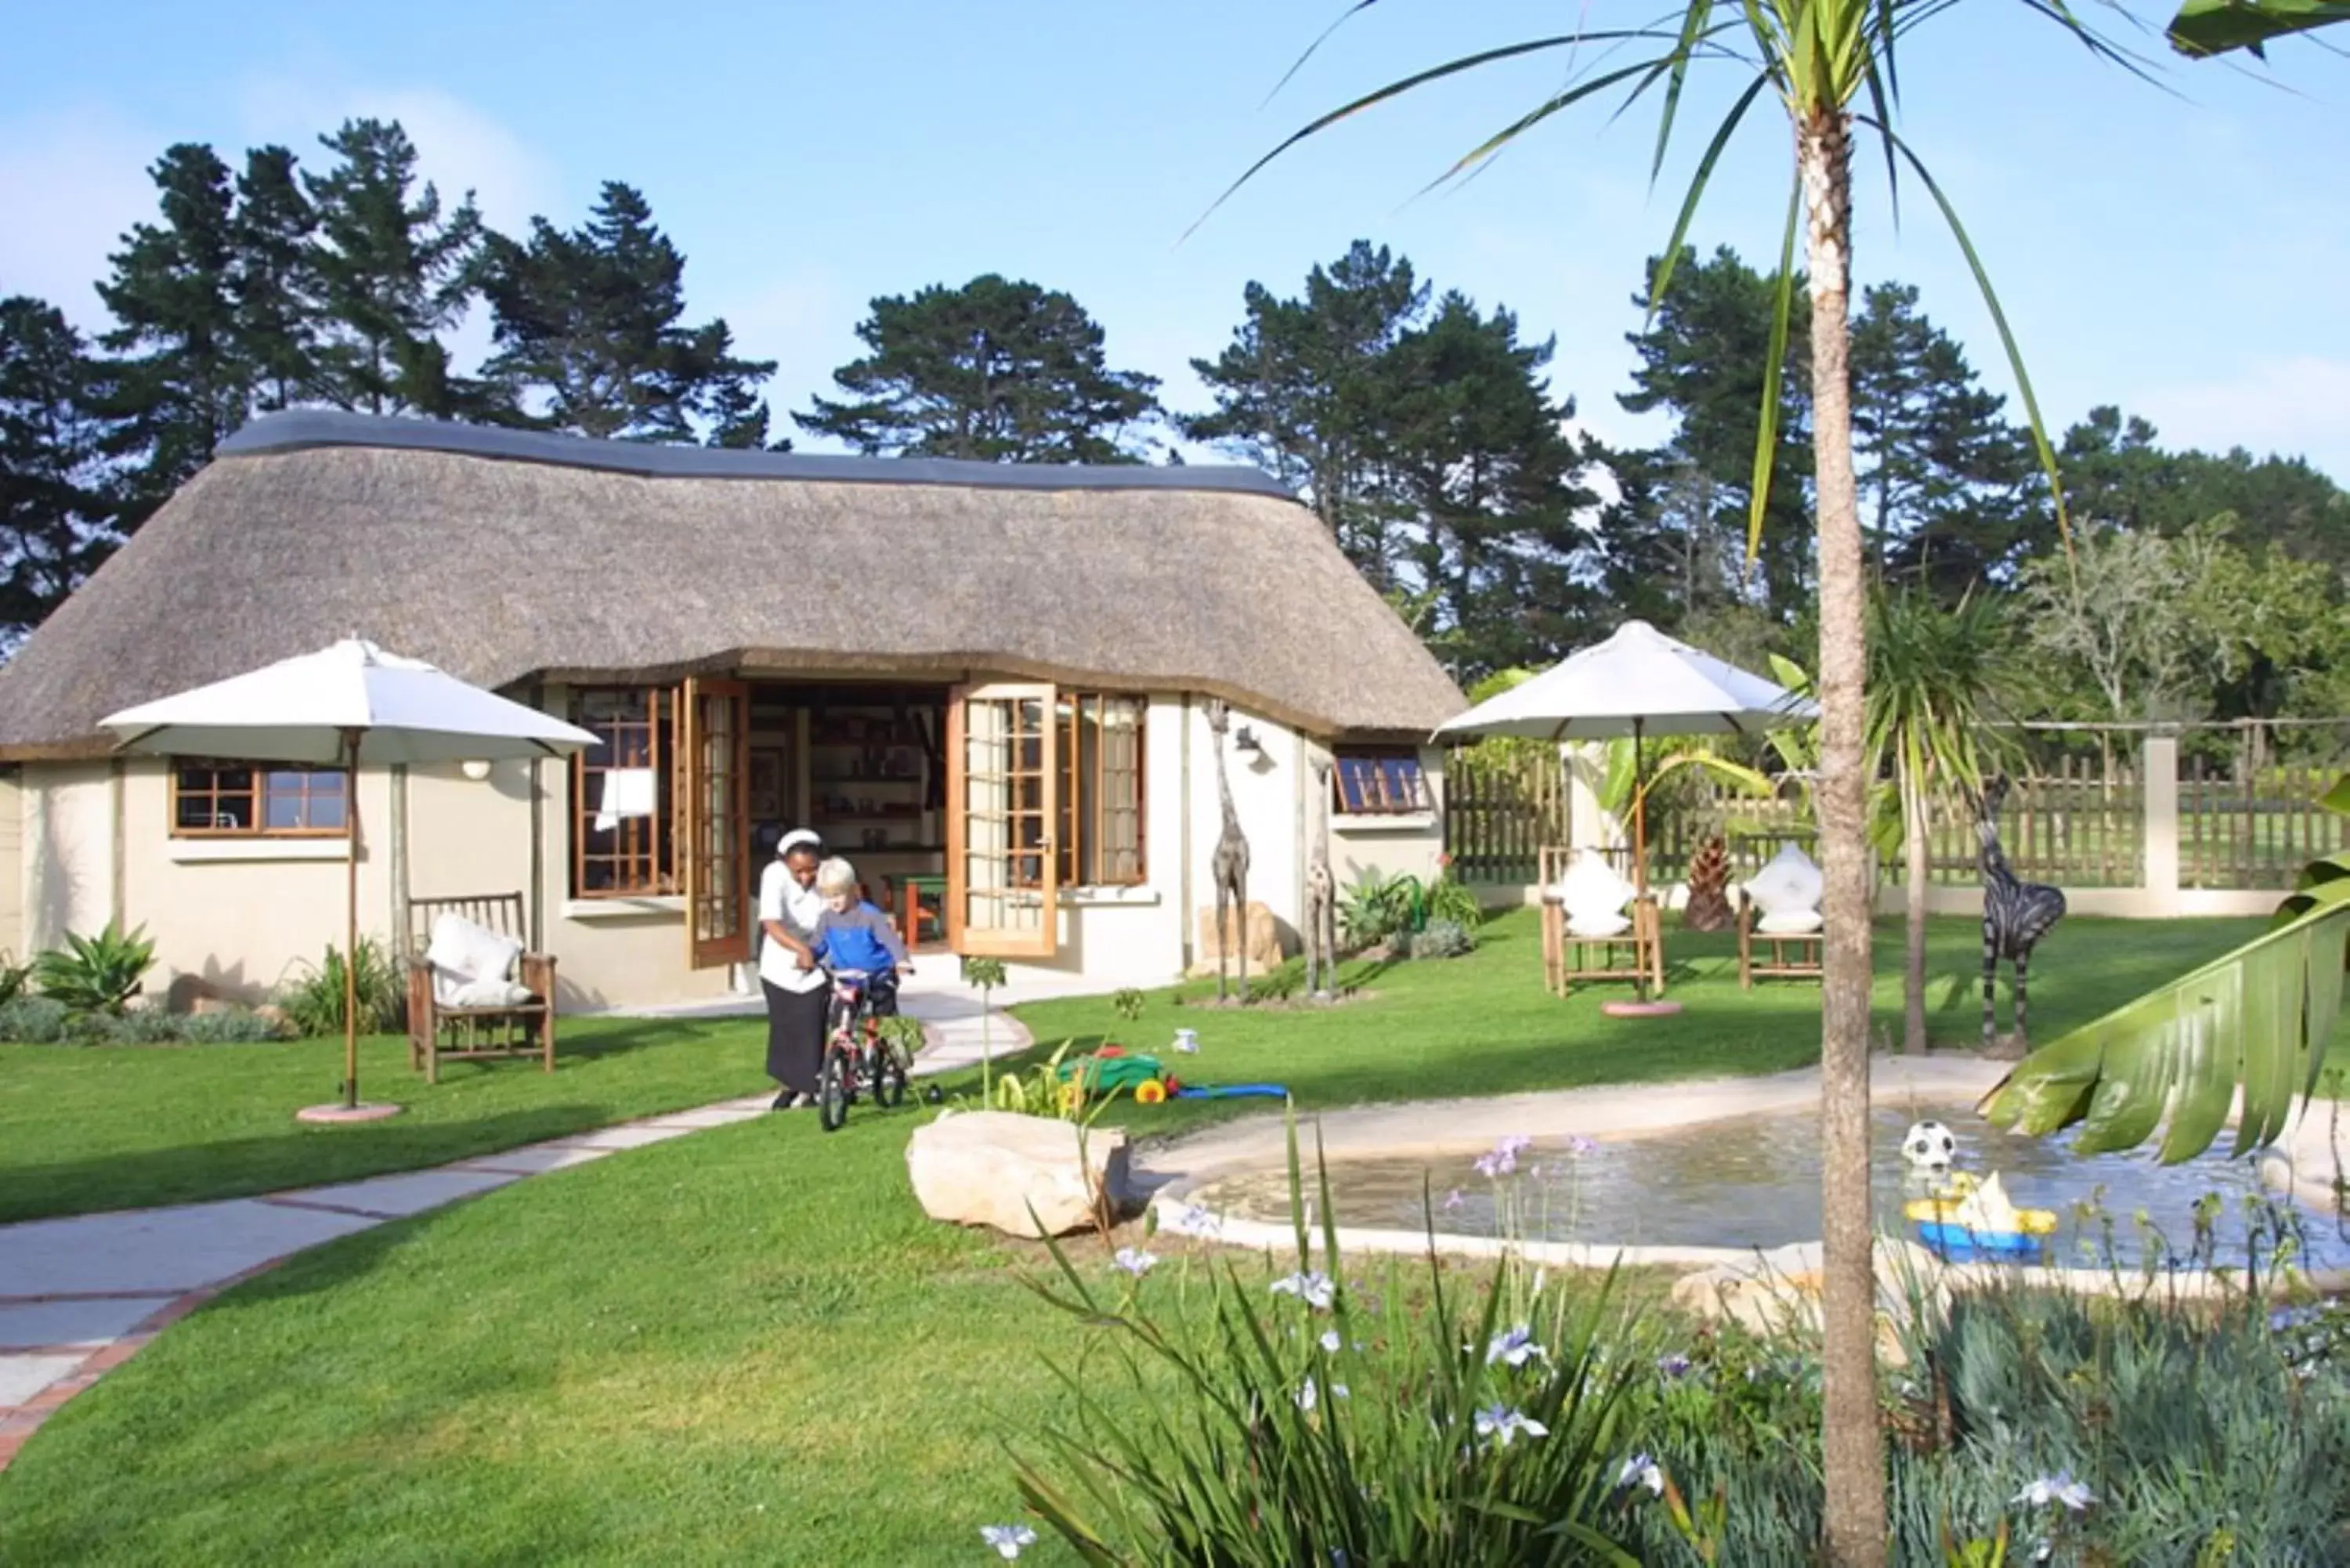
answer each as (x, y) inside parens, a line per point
(2016, 913)
(1229, 865)
(1321, 896)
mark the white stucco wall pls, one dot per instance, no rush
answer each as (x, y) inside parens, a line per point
(12, 868)
(243, 915)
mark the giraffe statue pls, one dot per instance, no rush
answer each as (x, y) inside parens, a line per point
(2016, 913)
(1321, 896)
(1229, 865)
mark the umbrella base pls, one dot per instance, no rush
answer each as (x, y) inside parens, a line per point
(340, 1111)
(1639, 1009)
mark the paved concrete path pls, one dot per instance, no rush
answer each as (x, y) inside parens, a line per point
(80, 1295)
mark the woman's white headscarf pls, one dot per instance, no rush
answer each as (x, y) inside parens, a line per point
(799, 837)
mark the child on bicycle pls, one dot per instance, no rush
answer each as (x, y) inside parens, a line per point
(854, 935)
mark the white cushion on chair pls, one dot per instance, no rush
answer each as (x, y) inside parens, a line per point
(1790, 923)
(1789, 885)
(1596, 926)
(1593, 895)
(485, 994)
(464, 953)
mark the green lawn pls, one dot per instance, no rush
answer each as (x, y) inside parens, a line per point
(747, 1346)
(89, 1127)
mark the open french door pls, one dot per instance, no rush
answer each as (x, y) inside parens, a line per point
(713, 774)
(1004, 780)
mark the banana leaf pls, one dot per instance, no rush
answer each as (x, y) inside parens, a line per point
(2218, 27)
(2259, 1017)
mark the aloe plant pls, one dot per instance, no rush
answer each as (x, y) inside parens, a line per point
(96, 974)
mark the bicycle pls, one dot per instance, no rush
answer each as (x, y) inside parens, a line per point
(860, 1056)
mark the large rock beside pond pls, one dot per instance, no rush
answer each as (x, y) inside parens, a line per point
(1015, 1173)
(1778, 1292)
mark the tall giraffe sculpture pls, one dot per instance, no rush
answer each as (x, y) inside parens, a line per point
(1321, 896)
(1228, 867)
(2016, 913)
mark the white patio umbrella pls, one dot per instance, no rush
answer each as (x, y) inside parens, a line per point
(1637, 683)
(349, 704)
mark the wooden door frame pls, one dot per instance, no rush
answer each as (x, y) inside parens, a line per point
(735, 946)
(961, 940)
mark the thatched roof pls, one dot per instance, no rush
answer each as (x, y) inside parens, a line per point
(503, 558)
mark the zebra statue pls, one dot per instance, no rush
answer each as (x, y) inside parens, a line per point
(2016, 913)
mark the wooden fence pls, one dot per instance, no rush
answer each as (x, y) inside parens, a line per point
(1499, 813)
(2077, 815)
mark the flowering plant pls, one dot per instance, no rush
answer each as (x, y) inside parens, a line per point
(1315, 1416)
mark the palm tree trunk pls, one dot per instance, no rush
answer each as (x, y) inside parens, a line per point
(1914, 829)
(1854, 1459)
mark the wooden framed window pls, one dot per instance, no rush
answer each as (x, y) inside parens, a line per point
(623, 794)
(1378, 780)
(1102, 838)
(215, 799)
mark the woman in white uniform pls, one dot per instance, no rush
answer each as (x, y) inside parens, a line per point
(798, 993)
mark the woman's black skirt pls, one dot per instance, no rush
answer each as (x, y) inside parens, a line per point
(795, 1021)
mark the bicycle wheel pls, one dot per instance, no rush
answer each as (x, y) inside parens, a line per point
(832, 1090)
(888, 1074)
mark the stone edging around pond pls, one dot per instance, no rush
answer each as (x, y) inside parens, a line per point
(1178, 1170)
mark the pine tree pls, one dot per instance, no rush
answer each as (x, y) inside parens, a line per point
(394, 273)
(588, 338)
(54, 511)
(998, 370)
(181, 385)
(1486, 485)
(1300, 391)
(1703, 357)
(276, 284)
(1945, 484)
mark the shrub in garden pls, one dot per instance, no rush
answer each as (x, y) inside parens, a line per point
(1442, 940)
(96, 974)
(2084, 1430)
(233, 1027)
(33, 1020)
(313, 1000)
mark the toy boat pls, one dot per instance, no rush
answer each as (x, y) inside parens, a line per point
(1974, 1218)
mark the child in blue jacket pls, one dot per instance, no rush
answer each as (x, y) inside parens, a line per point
(854, 935)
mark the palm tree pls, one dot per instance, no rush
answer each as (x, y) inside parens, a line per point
(1934, 677)
(1830, 64)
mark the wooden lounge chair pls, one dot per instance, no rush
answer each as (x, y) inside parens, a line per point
(1595, 926)
(446, 1023)
(1781, 935)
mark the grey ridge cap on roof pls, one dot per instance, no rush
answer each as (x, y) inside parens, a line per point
(299, 429)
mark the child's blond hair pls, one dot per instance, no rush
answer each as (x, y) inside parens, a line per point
(836, 877)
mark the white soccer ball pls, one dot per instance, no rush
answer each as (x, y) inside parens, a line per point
(1930, 1145)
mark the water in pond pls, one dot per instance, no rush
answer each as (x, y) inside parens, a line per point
(1754, 1181)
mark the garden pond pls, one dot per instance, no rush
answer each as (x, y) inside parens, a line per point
(1753, 1181)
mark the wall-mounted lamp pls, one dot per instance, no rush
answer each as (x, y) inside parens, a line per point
(476, 770)
(1245, 739)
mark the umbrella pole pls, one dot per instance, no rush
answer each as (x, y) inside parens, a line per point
(1640, 848)
(351, 920)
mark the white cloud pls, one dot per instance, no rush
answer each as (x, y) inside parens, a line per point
(69, 185)
(2296, 405)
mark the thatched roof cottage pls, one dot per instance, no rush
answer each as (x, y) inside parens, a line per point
(853, 644)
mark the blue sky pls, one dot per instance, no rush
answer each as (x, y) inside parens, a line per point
(2175, 249)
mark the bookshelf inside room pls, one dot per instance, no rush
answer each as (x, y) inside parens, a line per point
(860, 764)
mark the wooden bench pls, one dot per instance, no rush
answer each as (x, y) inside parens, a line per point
(438, 1032)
